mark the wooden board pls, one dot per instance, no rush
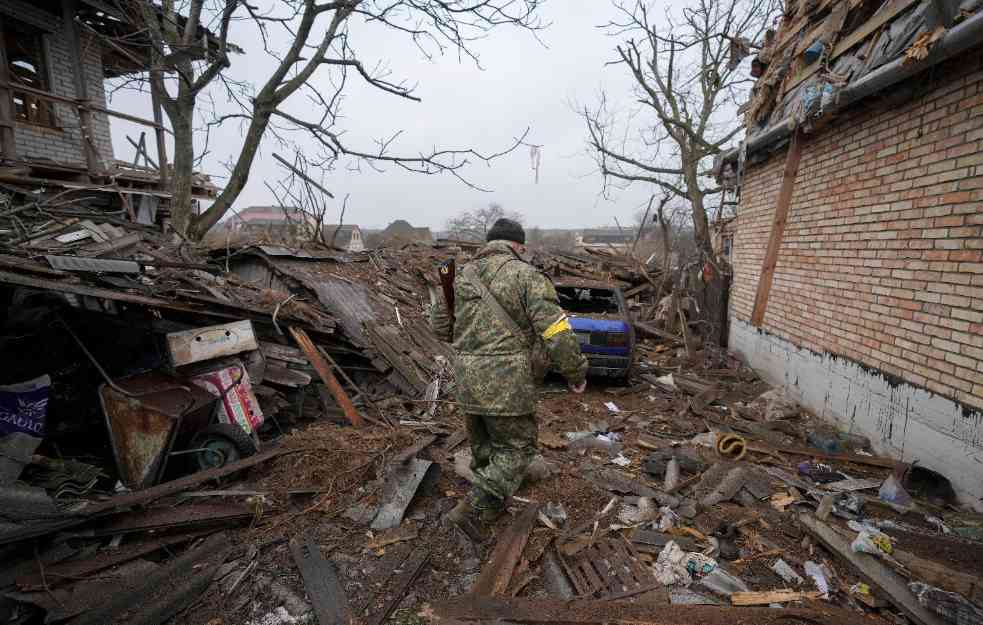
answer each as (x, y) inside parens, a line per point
(497, 573)
(780, 218)
(525, 610)
(772, 596)
(321, 583)
(894, 587)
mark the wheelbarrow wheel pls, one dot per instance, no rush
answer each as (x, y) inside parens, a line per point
(224, 442)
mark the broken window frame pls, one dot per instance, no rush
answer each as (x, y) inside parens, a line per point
(27, 55)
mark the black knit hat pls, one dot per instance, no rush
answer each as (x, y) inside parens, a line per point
(507, 230)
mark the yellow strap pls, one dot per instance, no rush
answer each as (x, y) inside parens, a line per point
(561, 325)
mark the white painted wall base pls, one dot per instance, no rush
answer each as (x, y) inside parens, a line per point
(902, 421)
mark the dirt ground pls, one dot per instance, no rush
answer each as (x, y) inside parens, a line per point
(342, 466)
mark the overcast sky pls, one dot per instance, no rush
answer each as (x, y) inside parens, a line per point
(521, 84)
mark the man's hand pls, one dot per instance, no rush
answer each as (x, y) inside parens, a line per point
(578, 388)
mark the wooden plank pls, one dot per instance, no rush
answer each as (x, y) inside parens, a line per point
(779, 220)
(894, 587)
(324, 371)
(525, 610)
(872, 461)
(321, 583)
(497, 573)
(772, 596)
(941, 575)
(852, 485)
(8, 146)
(285, 376)
(68, 572)
(286, 353)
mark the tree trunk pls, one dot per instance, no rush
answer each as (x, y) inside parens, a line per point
(701, 226)
(184, 158)
(239, 177)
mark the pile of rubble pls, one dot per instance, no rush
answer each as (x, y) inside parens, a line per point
(262, 435)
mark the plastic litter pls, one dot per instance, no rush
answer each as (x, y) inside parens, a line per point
(698, 564)
(892, 491)
(610, 405)
(847, 505)
(723, 583)
(818, 576)
(670, 567)
(786, 572)
(819, 473)
(667, 380)
(668, 519)
(621, 460)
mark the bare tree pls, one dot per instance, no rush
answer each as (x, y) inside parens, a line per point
(688, 82)
(473, 225)
(320, 41)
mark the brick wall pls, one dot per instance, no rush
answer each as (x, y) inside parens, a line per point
(882, 257)
(64, 143)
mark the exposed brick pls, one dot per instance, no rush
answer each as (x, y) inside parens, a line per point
(882, 255)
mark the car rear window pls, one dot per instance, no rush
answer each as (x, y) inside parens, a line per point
(587, 300)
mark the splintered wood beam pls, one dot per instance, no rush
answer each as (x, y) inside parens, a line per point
(872, 571)
(324, 371)
(779, 220)
(497, 573)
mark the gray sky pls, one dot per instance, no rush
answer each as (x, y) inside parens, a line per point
(522, 84)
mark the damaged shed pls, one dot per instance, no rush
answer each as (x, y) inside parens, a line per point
(857, 254)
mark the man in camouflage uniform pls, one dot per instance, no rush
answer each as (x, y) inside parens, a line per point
(493, 367)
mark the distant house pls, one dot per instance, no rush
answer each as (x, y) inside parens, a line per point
(400, 233)
(273, 223)
(605, 238)
(348, 238)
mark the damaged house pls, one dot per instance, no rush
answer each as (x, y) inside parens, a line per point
(54, 121)
(857, 248)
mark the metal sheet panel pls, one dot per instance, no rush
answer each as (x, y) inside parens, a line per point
(78, 263)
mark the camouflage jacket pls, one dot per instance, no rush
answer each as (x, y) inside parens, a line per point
(493, 370)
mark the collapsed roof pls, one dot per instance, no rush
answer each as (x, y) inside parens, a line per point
(828, 54)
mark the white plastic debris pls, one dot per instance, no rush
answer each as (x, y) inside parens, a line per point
(668, 519)
(670, 567)
(667, 380)
(786, 572)
(610, 405)
(621, 460)
(818, 576)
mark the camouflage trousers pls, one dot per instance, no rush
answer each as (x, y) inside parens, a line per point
(501, 450)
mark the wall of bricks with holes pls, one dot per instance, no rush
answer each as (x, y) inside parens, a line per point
(62, 144)
(882, 256)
